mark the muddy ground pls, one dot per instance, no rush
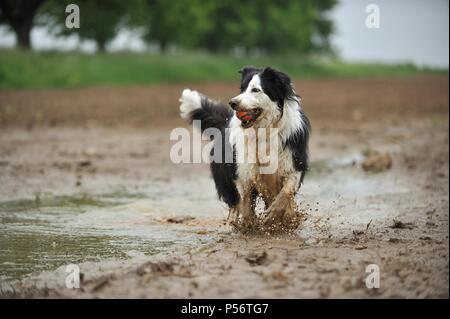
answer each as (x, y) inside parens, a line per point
(94, 141)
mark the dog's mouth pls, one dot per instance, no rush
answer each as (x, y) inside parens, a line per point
(248, 117)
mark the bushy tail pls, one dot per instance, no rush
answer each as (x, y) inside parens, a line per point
(212, 114)
(195, 106)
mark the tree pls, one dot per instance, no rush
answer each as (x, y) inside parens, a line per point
(220, 25)
(20, 16)
(287, 25)
(100, 20)
(234, 24)
(176, 22)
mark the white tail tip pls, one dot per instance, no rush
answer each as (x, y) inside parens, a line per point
(190, 101)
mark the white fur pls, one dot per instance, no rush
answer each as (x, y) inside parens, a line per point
(288, 124)
(249, 100)
(246, 171)
(291, 121)
(190, 101)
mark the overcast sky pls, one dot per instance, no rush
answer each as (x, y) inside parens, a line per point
(409, 31)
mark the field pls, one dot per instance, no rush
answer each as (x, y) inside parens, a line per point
(86, 178)
(20, 69)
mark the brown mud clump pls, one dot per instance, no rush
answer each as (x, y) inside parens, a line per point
(376, 162)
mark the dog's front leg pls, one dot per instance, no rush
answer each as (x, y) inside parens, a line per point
(283, 201)
(246, 208)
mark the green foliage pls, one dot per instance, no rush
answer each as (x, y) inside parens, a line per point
(277, 26)
(175, 22)
(20, 69)
(221, 25)
(99, 20)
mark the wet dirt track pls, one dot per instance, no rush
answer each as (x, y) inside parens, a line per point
(85, 175)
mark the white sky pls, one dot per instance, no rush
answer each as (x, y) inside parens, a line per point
(410, 31)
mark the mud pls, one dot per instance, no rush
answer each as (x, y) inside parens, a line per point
(86, 178)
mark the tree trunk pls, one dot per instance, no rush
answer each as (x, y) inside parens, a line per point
(23, 35)
(101, 45)
(163, 45)
(20, 15)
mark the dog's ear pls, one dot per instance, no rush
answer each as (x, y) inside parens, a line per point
(247, 73)
(277, 85)
(277, 77)
(246, 70)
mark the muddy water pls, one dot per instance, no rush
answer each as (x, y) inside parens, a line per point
(45, 233)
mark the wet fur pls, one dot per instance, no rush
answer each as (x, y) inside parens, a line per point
(240, 184)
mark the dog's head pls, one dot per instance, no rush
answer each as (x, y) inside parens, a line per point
(263, 96)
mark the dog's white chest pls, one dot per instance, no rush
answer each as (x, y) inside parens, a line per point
(256, 174)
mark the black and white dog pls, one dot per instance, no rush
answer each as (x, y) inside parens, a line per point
(267, 100)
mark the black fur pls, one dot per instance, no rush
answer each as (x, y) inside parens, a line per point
(298, 144)
(224, 175)
(214, 114)
(247, 73)
(277, 86)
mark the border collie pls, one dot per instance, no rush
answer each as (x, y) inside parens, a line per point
(267, 100)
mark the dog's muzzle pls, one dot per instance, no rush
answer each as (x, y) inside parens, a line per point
(246, 116)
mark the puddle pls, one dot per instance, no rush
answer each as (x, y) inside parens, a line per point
(45, 233)
(48, 232)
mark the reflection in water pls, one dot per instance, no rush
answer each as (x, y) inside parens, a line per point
(45, 233)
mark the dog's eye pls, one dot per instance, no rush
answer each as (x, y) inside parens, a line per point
(256, 90)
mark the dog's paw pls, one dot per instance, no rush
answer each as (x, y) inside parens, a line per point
(249, 222)
(190, 100)
(273, 216)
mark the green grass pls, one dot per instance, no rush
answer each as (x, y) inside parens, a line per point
(19, 69)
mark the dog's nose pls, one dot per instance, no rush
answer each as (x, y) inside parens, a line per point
(233, 103)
